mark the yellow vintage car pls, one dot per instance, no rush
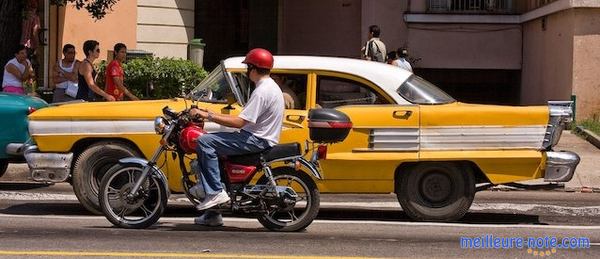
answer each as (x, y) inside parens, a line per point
(408, 136)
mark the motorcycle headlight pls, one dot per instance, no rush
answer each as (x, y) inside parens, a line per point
(159, 125)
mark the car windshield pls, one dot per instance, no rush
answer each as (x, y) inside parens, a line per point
(418, 90)
(214, 88)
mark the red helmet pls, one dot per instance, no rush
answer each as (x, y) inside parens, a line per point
(188, 138)
(258, 57)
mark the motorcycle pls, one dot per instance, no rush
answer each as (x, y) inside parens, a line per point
(134, 192)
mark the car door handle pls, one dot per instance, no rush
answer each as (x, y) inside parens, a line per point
(297, 118)
(403, 114)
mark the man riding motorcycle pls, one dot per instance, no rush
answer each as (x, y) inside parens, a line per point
(260, 123)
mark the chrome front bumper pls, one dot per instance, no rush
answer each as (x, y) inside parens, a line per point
(48, 167)
(560, 166)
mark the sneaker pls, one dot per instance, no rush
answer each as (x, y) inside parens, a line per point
(213, 200)
(197, 191)
(211, 219)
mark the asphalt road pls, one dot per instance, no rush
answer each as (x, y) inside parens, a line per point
(47, 222)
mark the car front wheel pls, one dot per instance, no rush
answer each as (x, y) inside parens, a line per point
(91, 165)
(436, 191)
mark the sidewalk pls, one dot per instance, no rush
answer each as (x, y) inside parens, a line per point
(587, 175)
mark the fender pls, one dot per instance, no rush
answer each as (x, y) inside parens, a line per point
(314, 170)
(157, 175)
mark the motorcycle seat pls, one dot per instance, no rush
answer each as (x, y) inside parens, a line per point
(278, 152)
(282, 152)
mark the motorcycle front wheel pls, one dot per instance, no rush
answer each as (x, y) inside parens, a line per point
(140, 211)
(305, 209)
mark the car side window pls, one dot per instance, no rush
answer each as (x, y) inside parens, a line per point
(333, 92)
(293, 87)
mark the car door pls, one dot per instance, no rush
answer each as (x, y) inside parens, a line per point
(295, 87)
(383, 135)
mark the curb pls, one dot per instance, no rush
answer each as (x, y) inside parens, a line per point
(582, 189)
(589, 136)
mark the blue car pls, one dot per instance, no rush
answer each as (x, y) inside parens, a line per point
(14, 110)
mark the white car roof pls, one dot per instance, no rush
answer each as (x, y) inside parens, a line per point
(386, 76)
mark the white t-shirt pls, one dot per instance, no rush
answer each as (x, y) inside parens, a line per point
(402, 63)
(9, 78)
(264, 111)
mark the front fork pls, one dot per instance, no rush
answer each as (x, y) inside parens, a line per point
(145, 172)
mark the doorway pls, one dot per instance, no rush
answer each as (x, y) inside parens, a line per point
(231, 28)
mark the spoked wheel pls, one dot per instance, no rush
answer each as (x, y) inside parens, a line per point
(291, 213)
(140, 211)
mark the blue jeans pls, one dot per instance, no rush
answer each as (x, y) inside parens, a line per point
(213, 145)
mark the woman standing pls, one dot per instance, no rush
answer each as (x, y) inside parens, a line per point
(115, 77)
(87, 74)
(17, 71)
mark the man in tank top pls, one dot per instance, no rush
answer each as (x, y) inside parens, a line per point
(64, 75)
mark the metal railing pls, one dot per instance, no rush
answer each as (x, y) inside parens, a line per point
(471, 6)
(533, 4)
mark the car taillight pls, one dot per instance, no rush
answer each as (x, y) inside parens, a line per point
(30, 110)
(322, 152)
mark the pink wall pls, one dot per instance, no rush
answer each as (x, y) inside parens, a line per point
(548, 59)
(330, 28)
(389, 16)
(117, 26)
(338, 27)
(586, 62)
(465, 46)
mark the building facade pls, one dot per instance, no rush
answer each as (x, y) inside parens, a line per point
(519, 52)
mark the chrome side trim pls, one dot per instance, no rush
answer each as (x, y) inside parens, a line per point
(398, 139)
(48, 167)
(482, 137)
(560, 166)
(104, 127)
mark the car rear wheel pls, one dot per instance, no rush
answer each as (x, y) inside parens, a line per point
(91, 165)
(3, 166)
(436, 191)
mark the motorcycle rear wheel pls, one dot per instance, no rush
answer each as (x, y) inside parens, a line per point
(307, 204)
(139, 212)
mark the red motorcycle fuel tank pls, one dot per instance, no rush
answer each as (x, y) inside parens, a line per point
(239, 173)
(189, 136)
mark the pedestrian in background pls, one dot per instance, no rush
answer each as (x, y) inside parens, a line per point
(115, 77)
(30, 30)
(64, 75)
(374, 48)
(87, 74)
(17, 71)
(401, 61)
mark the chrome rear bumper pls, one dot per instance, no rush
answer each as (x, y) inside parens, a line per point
(48, 167)
(560, 166)
(17, 149)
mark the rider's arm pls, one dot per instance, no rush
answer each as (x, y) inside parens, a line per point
(231, 121)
